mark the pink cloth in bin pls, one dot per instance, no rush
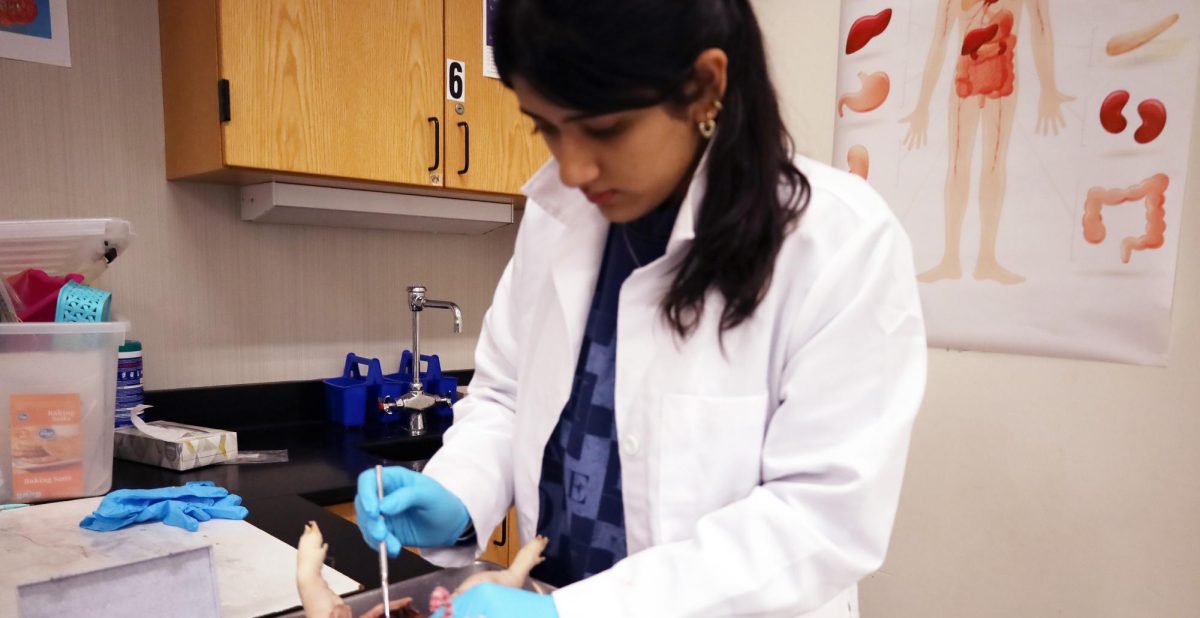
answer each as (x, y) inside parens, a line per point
(38, 292)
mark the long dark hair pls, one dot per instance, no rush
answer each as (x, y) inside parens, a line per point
(603, 56)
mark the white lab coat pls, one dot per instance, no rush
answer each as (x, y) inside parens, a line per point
(760, 473)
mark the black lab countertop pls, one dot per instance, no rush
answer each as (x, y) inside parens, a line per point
(324, 461)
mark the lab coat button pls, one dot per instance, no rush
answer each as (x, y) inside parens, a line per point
(629, 446)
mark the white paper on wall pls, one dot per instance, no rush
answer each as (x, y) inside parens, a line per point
(489, 50)
(1036, 152)
(36, 31)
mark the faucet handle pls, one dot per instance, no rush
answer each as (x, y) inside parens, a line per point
(416, 297)
(415, 404)
(388, 405)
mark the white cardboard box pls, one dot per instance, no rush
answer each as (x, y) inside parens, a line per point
(189, 447)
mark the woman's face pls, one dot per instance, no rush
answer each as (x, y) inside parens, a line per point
(626, 163)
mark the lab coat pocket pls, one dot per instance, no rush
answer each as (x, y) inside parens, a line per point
(710, 455)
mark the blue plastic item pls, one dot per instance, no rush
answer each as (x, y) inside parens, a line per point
(416, 510)
(432, 380)
(496, 601)
(183, 507)
(80, 303)
(348, 398)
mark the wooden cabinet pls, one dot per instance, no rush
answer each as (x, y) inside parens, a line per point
(308, 87)
(502, 547)
(339, 89)
(345, 510)
(501, 152)
(333, 88)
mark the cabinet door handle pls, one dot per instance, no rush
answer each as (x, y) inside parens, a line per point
(437, 142)
(223, 100)
(466, 147)
(503, 524)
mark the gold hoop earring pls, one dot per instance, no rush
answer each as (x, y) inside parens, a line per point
(709, 126)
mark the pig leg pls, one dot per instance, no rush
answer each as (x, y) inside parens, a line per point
(515, 575)
(316, 596)
(318, 599)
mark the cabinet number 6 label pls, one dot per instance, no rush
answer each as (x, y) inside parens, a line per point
(456, 80)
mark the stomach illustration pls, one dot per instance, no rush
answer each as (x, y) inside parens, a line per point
(874, 92)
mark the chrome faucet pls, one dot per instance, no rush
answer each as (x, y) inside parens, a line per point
(417, 401)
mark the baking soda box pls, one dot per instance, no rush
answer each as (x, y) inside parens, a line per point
(47, 446)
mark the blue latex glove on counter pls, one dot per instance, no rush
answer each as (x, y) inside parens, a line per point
(496, 601)
(416, 511)
(183, 507)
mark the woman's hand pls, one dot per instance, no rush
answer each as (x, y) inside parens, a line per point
(496, 601)
(1050, 117)
(416, 510)
(918, 125)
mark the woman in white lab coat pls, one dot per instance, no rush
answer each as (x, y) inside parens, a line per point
(701, 366)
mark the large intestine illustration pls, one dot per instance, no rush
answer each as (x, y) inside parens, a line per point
(1152, 190)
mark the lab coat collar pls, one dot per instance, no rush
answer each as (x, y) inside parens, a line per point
(579, 248)
(570, 206)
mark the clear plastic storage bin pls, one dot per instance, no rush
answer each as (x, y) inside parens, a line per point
(57, 396)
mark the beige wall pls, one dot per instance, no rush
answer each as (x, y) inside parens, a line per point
(1036, 486)
(215, 300)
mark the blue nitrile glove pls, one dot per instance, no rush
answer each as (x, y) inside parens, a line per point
(183, 507)
(416, 511)
(496, 601)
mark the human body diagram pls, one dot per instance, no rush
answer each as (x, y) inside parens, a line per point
(982, 105)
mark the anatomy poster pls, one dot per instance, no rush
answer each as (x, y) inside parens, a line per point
(1036, 152)
(35, 30)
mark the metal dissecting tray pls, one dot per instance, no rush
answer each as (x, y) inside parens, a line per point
(420, 587)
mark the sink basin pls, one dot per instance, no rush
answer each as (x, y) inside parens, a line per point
(402, 449)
